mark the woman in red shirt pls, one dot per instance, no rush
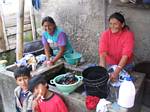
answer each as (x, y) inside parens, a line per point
(116, 44)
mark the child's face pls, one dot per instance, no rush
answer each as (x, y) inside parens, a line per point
(23, 82)
(40, 91)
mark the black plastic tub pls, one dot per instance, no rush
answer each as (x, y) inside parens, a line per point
(34, 47)
(95, 81)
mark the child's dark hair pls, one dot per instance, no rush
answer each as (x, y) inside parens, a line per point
(34, 81)
(48, 19)
(22, 71)
(119, 17)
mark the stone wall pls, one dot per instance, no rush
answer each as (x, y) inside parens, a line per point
(84, 20)
(7, 85)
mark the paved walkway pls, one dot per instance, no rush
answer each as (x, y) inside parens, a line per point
(145, 109)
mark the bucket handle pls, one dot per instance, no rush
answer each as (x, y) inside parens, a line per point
(108, 82)
(52, 81)
(80, 78)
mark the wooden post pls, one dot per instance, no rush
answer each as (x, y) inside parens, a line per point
(2, 41)
(20, 29)
(3, 27)
(33, 25)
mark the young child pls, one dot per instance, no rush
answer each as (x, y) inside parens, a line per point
(23, 97)
(45, 100)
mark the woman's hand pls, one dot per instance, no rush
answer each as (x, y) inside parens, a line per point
(49, 63)
(113, 76)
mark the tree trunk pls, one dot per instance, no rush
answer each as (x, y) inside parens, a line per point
(20, 27)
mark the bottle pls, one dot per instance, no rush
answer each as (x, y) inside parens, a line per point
(126, 93)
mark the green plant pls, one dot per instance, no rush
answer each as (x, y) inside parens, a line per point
(28, 36)
(10, 56)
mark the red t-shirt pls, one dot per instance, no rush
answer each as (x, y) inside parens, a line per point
(53, 104)
(116, 45)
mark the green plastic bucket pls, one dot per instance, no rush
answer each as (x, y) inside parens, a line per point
(73, 58)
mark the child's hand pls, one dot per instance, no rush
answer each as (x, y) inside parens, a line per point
(35, 101)
(35, 105)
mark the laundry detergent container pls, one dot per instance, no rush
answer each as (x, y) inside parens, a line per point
(95, 81)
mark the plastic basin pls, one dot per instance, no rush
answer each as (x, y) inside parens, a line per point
(73, 58)
(66, 89)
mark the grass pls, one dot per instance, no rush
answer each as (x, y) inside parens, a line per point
(28, 36)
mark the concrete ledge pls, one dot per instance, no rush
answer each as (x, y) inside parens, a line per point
(75, 101)
(7, 85)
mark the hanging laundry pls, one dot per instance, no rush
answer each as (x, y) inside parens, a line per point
(36, 4)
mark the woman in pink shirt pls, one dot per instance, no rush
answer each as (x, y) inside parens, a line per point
(116, 45)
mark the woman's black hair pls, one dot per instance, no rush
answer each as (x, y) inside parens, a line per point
(119, 17)
(22, 71)
(48, 19)
(36, 80)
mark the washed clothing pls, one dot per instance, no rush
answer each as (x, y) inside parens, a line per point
(23, 100)
(56, 40)
(127, 67)
(116, 45)
(52, 104)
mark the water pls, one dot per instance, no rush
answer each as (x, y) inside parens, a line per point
(113, 94)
